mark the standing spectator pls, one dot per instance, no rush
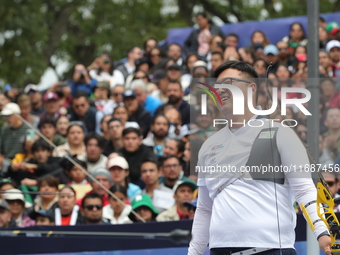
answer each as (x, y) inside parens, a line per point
(134, 152)
(16, 203)
(48, 128)
(175, 53)
(129, 67)
(5, 215)
(231, 40)
(82, 111)
(94, 158)
(62, 125)
(116, 212)
(24, 103)
(161, 79)
(115, 127)
(102, 98)
(51, 104)
(92, 209)
(137, 112)
(81, 80)
(331, 137)
(143, 206)
(296, 37)
(12, 135)
(183, 193)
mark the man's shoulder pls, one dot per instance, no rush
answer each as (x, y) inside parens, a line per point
(149, 141)
(162, 187)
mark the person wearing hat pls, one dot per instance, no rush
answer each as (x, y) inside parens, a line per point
(161, 79)
(332, 30)
(16, 203)
(183, 192)
(142, 205)
(102, 98)
(192, 205)
(137, 111)
(174, 72)
(200, 69)
(42, 218)
(271, 56)
(52, 106)
(333, 48)
(12, 135)
(6, 220)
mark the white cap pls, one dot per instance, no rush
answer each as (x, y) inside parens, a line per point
(30, 87)
(10, 108)
(332, 44)
(14, 194)
(200, 63)
(118, 161)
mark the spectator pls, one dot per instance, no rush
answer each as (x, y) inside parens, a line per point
(82, 111)
(230, 53)
(12, 135)
(115, 127)
(117, 94)
(137, 112)
(175, 53)
(103, 69)
(67, 212)
(129, 67)
(42, 218)
(323, 37)
(141, 75)
(149, 44)
(81, 80)
(161, 79)
(16, 204)
(258, 37)
(134, 151)
(271, 56)
(174, 117)
(63, 91)
(174, 72)
(329, 94)
(104, 128)
(77, 174)
(231, 40)
(247, 55)
(143, 206)
(24, 103)
(92, 209)
(149, 102)
(191, 206)
(296, 37)
(189, 63)
(116, 212)
(75, 141)
(333, 185)
(283, 54)
(302, 131)
(51, 104)
(332, 29)
(122, 113)
(94, 158)
(36, 99)
(159, 128)
(260, 66)
(216, 60)
(119, 169)
(102, 98)
(183, 193)
(172, 172)
(175, 147)
(333, 49)
(62, 125)
(48, 128)
(5, 215)
(325, 158)
(331, 137)
(154, 57)
(6, 184)
(190, 154)
(162, 197)
(326, 62)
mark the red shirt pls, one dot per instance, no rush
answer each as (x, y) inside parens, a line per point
(181, 215)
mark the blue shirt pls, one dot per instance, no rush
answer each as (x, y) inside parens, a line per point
(151, 104)
(76, 86)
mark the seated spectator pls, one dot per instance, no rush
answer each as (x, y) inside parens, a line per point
(155, 56)
(62, 125)
(52, 106)
(143, 206)
(149, 44)
(172, 172)
(192, 146)
(115, 127)
(189, 62)
(162, 197)
(231, 40)
(174, 117)
(161, 79)
(247, 55)
(333, 185)
(48, 128)
(94, 158)
(6, 220)
(258, 37)
(74, 143)
(231, 53)
(117, 94)
(205, 123)
(271, 56)
(122, 113)
(159, 128)
(76, 174)
(260, 66)
(141, 75)
(284, 56)
(64, 93)
(149, 102)
(175, 53)
(137, 112)
(129, 67)
(42, 218)
(16, 204)
(67, 212)
(102, 98)
(183, 193)
(104, 128)
(81, 80)
(117, 212)
(329, 93)
(92, 209)
(13, 134)
(36, 99)
(333, 49)
(119, 169)
(89, 115)
(175, 147)
(134, 151)
(24, 103)
(216, 60)
(296, 36)
(27, 153)
(331, 137)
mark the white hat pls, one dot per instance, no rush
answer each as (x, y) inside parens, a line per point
(332, 44)
(200, 63)
(118, 161)
(30, 87)
(14, 194)
(10, 108)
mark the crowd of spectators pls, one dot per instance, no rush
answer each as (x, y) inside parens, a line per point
(131, 131)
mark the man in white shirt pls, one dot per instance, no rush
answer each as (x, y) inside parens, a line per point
(238, 209)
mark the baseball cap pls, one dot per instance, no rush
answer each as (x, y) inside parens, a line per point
(10, 108)
(118, 161)
(14, 194)
(200, 63)
(30, 87)
(332, 28)
(104, 85)
(129, 93)
(189, 183)
(332, 44)
(192, 203)
(140, 61)
(158, 75)
(142, 200)
(174, 66)
(33, 215)
(104, 172)
(271, 49)
(50, 96)
(4, 204)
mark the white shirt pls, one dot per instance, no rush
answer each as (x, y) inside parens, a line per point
(108, 214)
(117, 78)
(91, 166)
(246, 208)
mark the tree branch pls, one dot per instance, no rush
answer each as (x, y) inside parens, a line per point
(209, 7)
(185, 10)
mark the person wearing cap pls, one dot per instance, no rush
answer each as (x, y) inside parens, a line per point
(16, 203)
(52, 106)
(13, 134)
(192, 205)
(119, 169)
(6, 220)
(271, 56)
(332, 30)
(129, 66)
(174, 72)
(161, 79)
(84, 112)
(137, 111)
(24, 103)
(142, 205)
(333, 48)
(42, 218)
(81, 80)
(183, 192)
(200, 69)
(102, 98)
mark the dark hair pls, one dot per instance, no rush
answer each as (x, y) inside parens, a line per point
(204, 15)
(265, 40)
(148, 39)
(41, 144)
(191, 54)
(150, 160)
(180, 145)
(217, 53)
(131, 130)
(177, 82)
(47, 121)
(119, 188)
(246, 70)
(169, 157)
(75, 123)
(50, 180)
(232, 35)
(145, 73)
(157, 116)
(79, 94)
(303, 30)
(327, 79)
(100, 140)
(114, 119)
(89, 196)
(112, 68)
(175, 44)
(120, 106)
(68, 187)
(67, 165)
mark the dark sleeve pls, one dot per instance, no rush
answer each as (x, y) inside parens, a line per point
(50, 166)
(144, 123)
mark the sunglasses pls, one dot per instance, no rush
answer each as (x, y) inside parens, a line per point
(330, 184)
(91, 207)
